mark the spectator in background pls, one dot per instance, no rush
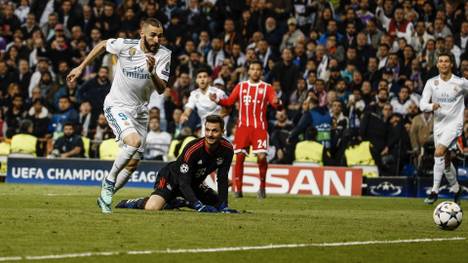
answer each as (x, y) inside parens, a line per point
(401, 103)
(374, 126)
(24, 77)
(216, 55)
(272, 33)
(66, 114)
(399, 26)
(286, 72)
(70, 145)
(24, 144)
(39, 116)
(174, 127)
(421, 129)
(157, 142)
(86, 119)
(398, 143)
(108, 22)
(298, 97)
(9, 21)
(279, 130)
(339, 133)
(292, 36)
(319, 119)
(15, 114)
(95, 90)
(22, 10)
(29, 26)
(41, 68)
(6, 77)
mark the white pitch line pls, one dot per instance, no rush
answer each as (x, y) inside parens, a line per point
(227, 249)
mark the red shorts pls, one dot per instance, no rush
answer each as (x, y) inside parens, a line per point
(249, 136)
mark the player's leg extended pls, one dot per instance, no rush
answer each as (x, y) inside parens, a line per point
(131, 143)
(241, 141)
(140, 124)
(439, 167)
(124, 175)
(262, 167)
(154, 202)
(239, 173)
(260, 148)
(451, 175)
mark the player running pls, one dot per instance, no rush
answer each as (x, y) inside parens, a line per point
(185, 177)
(253, 96)
(446, 92)
(143, 66)
(199, 99)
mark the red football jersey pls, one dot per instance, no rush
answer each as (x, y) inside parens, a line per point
(253, 101)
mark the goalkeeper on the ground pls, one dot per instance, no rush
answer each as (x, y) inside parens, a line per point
(185, 177)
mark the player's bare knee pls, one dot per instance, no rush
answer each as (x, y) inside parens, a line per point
(133, 140)
(439, 152)
(155, 203)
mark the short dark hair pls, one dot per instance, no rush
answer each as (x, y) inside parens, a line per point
(25, 126)
(215, 119)
(151, 21)
(446, 54)
(69, 123)
(256, 62)
(203, 70)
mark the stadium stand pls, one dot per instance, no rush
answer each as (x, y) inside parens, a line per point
(373, 57)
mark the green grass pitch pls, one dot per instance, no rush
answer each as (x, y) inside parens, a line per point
(57, 220)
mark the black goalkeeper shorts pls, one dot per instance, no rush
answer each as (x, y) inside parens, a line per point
(163, 188)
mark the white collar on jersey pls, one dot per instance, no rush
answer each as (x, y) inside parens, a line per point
(254, 84)
(451, 78)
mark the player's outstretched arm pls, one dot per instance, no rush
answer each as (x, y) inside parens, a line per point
(159, 84)
(229, 101)
(97, 50)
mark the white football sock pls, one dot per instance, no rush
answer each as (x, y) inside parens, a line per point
(439, 165)
(122, 179)
(452, 178)
(124, 157)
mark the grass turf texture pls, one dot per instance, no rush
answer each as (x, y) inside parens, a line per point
(44, 220)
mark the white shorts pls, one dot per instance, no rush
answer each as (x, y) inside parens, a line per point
(447, 138)
(124, 121)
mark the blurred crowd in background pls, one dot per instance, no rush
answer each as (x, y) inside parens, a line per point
(350, 73)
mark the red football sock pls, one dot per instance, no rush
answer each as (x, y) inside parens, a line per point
(239, 172)
(262, 167)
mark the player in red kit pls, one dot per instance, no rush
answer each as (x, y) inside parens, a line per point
(253, 96)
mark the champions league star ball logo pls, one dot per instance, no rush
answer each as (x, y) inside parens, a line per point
(184, 168)
(219, 161)
(132, 52)
(436, 82)
(386, 188)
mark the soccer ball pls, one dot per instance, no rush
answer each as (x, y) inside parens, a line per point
(448, 215)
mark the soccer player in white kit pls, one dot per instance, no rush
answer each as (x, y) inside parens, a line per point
(446, 93)
(200, 99)
(143, 66)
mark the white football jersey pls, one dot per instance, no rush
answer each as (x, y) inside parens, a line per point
(202, 102)
(451, 97)
(132, 85)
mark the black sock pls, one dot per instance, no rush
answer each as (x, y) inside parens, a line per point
(138, 203)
